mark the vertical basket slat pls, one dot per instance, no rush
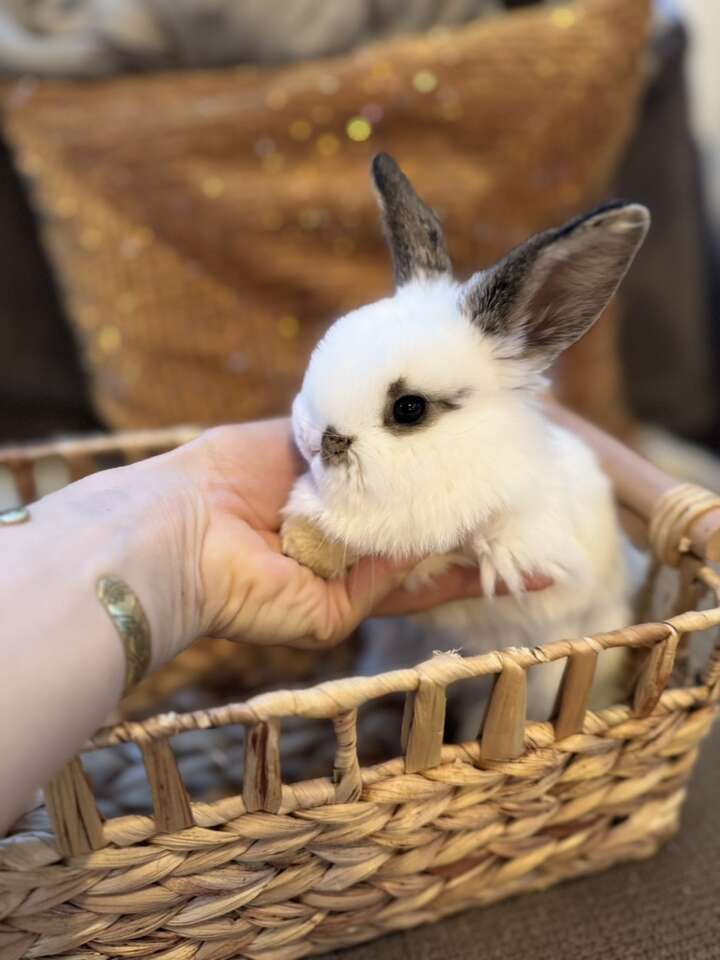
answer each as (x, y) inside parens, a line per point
(574, 693)
(24, 477)
(171, 805)
(503, 730)
(80, 464)
(72, 810)
(689, 597)
(262, 783)
(346, 771)
(655, 674)
(423, 726)
(711, 671)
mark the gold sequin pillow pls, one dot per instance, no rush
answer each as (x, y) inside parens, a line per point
(206, 226)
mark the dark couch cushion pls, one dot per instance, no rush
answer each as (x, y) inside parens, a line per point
(42, 386)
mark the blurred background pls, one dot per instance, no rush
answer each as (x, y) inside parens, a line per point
(185, 204)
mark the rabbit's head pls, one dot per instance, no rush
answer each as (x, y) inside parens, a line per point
(417, 414)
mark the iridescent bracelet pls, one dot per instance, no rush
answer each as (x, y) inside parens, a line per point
(13, 516)
(132, 625)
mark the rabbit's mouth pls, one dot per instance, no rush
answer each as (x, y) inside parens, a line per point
(336, 469)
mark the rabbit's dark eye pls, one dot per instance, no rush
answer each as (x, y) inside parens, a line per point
(409, 409)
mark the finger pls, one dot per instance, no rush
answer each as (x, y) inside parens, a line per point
(352, 598)
(457, 583)
(374, 588)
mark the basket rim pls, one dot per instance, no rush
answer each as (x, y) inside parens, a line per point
(100, 442)
(327, 700)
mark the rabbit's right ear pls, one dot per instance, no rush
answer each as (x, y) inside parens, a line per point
(546, 293)
(412, 229)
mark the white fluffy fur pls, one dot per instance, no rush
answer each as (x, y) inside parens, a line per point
(494, 480)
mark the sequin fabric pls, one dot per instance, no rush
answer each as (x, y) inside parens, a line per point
(206, 226)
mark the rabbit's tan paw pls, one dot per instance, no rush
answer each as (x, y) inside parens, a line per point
(306, 543)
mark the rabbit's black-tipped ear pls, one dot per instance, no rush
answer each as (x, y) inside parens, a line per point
(546, 293)
(412, 229)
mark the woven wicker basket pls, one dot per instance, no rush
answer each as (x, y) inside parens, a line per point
(283, 870)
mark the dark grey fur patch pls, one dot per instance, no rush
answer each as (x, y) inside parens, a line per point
(334, 447)
(436, 407)
(550, 290)
(412, 229)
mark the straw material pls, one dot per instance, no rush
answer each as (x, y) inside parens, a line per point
(207, 226)
(280, 870)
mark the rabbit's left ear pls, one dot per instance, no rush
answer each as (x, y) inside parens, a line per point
(412, 229)
(546, 293)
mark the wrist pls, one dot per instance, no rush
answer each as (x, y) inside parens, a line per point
(135, 523)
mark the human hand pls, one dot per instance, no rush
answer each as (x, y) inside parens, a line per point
(237, 480)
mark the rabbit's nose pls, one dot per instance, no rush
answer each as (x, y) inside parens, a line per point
(334, 447)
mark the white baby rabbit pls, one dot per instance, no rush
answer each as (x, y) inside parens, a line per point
(420, 420)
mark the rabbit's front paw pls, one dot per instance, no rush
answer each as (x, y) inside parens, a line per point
(306, 543)
(498, 562)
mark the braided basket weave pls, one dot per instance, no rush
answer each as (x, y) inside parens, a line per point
(284, 870)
